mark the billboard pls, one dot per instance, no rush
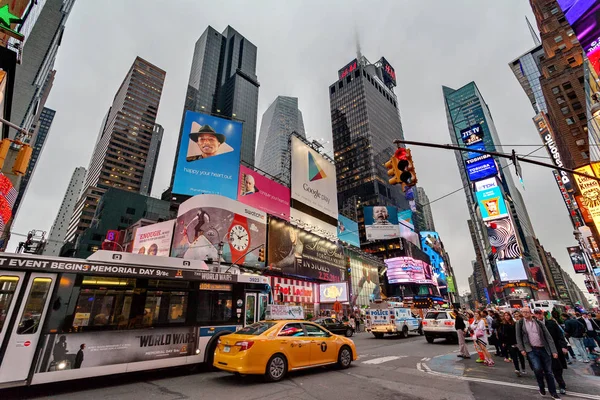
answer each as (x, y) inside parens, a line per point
(294, 290)
(491, 203)
(503, 239)
(263, 193)
(348, 69)
(332, 292)
(407, 232)
(208, 159)
(154, 240)
(451, 287)
(590, 193)
(313, 179)
(472, 135)
(486, 184)
(293, 251)
(313, 224)
(577, 259)
(347, 231)
(583, 17)
(432, 246)
(543, 127)
(364, 279)
(408, 270)
(389, 74)
(406, 216)
(207, 220)
(511, 270)
(481, 167)
(381, 222)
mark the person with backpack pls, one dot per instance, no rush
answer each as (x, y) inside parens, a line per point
(575, 332)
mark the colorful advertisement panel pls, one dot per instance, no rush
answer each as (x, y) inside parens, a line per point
(503, 239)
(263, 193)
(577, 259)
(97, 349)
(511, 270)
(475, 146)
(583, 17)
(481, 167)
(364, 278)
(294, 290)
(332, 292)
(491, 203)
(451, 287)
(381, 222)
(208, 159)
(486, 184)
(543, 127)
(347, 231)
(206, 220)
(313, 179)
(472, 135)
(313, 224)
(293, 251)
(408, 270)
(432, 246)
(408, 233)
(154, 240)
(406, 216)
(590, 193)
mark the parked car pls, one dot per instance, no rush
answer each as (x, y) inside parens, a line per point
(336, 326)
(439, 324)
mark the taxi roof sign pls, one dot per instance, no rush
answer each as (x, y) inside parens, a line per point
(277, 312)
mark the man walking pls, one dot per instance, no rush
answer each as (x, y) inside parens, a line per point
(534, 340)
(461, 328)
(591, 327)
(575, 331)
(558, 364)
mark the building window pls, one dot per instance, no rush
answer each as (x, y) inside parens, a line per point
(558, 39)
(567, 85)
(551, 69)
(332, 90)
(556, 90)
(576, 105)
(571, 95)
(584, 155)
(580, 142)
(554, 10)
(570, 32)
(581, 117)
(341, 85)
(565, 110)
(569, 121)
(571, 60)
(560, 100)
(562, 46)
(575, 132)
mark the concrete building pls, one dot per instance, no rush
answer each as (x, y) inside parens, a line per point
(59, 228)
(423, 218)
(122, 154)
(279, 121)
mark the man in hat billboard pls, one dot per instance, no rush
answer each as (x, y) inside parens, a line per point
(205, 142)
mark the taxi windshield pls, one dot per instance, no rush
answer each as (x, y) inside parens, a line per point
(256, 328)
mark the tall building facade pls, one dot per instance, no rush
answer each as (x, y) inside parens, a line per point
(365, 121)
(423, 218)
(152, 160)
(59, 228)
(562, 82)
(41, 130)
(466, 109)
(279, 121)
(121, 154)
(37, 62)
(223, 82)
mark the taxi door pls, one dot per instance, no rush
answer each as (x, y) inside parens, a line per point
(295, 344)
(323, 349)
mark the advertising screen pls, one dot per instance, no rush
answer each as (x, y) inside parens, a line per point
(538, 275)
(154, 240)
(583, 15)
(313, 179)
(313, 224)
(293, 251)
(408, 270)
(208, 160)
(511, 270)
(472, 134)
(347, 231)
(408, 233)
(486, 184)
(503, 239)
(577, 259)
(432, 246)
(381, 222)
(364, 278)
(206, 220)
(261, 192)
(332, 292)
(491, 203)
(349, 68)
(475, 146)
(481, 167)
(406, 216)
(590, 190)
(543, 127)
(389, 74)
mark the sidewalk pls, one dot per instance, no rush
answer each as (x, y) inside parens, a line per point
(578, 376)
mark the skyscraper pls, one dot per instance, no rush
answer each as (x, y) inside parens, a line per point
(365, 121)
(152, 160)
(281, 119)
(223, 82)
(467, 112)
(122, 156)
(423, 218)
(61, 222)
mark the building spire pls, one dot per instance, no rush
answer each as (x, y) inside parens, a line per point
(536, 39)
(358, 52)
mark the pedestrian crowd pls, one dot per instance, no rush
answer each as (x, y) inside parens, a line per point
(549, 341)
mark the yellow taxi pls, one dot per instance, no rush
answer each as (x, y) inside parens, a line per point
(275, 347)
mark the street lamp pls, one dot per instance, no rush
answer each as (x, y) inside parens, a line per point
(595, 109)
(112, 241)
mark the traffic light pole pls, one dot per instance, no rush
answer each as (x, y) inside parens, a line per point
(511, 156)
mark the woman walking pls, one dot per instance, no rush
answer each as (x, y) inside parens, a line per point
(480, 327)
(509, 335)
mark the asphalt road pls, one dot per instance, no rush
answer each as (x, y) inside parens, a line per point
(389, 368)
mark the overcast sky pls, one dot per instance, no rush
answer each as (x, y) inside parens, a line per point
(301, 45)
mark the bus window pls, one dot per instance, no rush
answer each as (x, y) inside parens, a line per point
(214, 306)
(8, 285)
(34, 306)
(165, 307)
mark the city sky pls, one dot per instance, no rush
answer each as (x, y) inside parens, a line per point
(301, 46)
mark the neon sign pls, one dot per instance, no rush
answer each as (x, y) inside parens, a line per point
(344, 72)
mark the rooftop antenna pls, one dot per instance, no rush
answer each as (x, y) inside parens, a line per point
(536, 39)
(358, 52)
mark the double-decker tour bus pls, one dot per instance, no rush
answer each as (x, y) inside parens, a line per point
(63, 318)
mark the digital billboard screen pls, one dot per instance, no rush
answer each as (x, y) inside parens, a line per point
(481, 167)
(511, 270)
(205, 221)
(332, 292)
(381, 222)
(408, 270)
(503, 239)
(347, 231)
(260, 192)
(432, 246)
(364, 279)
(577, 259)
(472, 134)
(154, 240)
(406, 216)
(584, 18)
(208, 159)
(491, 204)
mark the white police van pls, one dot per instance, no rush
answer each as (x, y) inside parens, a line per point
(391, 318)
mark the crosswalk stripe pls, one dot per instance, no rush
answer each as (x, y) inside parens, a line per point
(381, 360)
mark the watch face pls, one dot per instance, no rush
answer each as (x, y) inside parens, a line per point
(239, 238)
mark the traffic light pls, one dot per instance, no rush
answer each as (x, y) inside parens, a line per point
(401, 169)
(4, 146)
(261, 254)
(393, 170)
(22, 161)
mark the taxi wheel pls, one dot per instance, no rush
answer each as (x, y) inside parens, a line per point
(345, 357)
(349, 332)
(276, 368)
